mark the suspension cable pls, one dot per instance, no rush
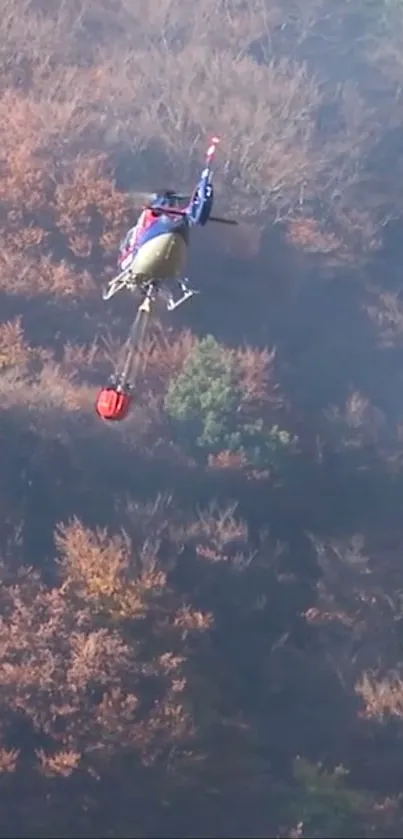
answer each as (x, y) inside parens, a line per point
(128, 367)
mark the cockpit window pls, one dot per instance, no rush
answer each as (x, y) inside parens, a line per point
(165, 199)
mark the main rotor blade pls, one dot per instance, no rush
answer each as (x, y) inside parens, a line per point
(174, 211)
(166, 211)
(141, 199)
(222, 220)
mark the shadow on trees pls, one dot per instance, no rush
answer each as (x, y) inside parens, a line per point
(76, 467)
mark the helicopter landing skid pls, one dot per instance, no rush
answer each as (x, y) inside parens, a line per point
(149, 290)
(123, 280)
(174, 304)
(187, 293)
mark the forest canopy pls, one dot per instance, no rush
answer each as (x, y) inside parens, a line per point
(200, 624)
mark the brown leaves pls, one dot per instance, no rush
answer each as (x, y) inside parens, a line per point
(30, 377)
(26, 182)
(217, 531)
(95, 565)
(8, 761)
(92, 558)
(34, 656)
(227, 460)
(164, 356)
(358, 422)
(32, 275)
(170, 663)
(105, 571)
(306, 233)
(69, 679)
(257, 377)
(44, 199)
(14, 350)
(189, 620)
(81, 245)
(382, 698)
(97, 657)
(88, 203)
(62, 764)
(76, 665)
(385, 310)
(19, 119)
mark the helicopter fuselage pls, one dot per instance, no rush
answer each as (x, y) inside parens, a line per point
(162, 251)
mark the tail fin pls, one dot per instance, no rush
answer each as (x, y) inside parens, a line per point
(201, 201)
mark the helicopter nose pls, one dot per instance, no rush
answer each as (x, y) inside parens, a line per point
(162, 256)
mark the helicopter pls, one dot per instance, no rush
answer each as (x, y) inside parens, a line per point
(154, 251)
(151, 256)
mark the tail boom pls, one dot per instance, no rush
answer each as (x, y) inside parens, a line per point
(198, 210)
